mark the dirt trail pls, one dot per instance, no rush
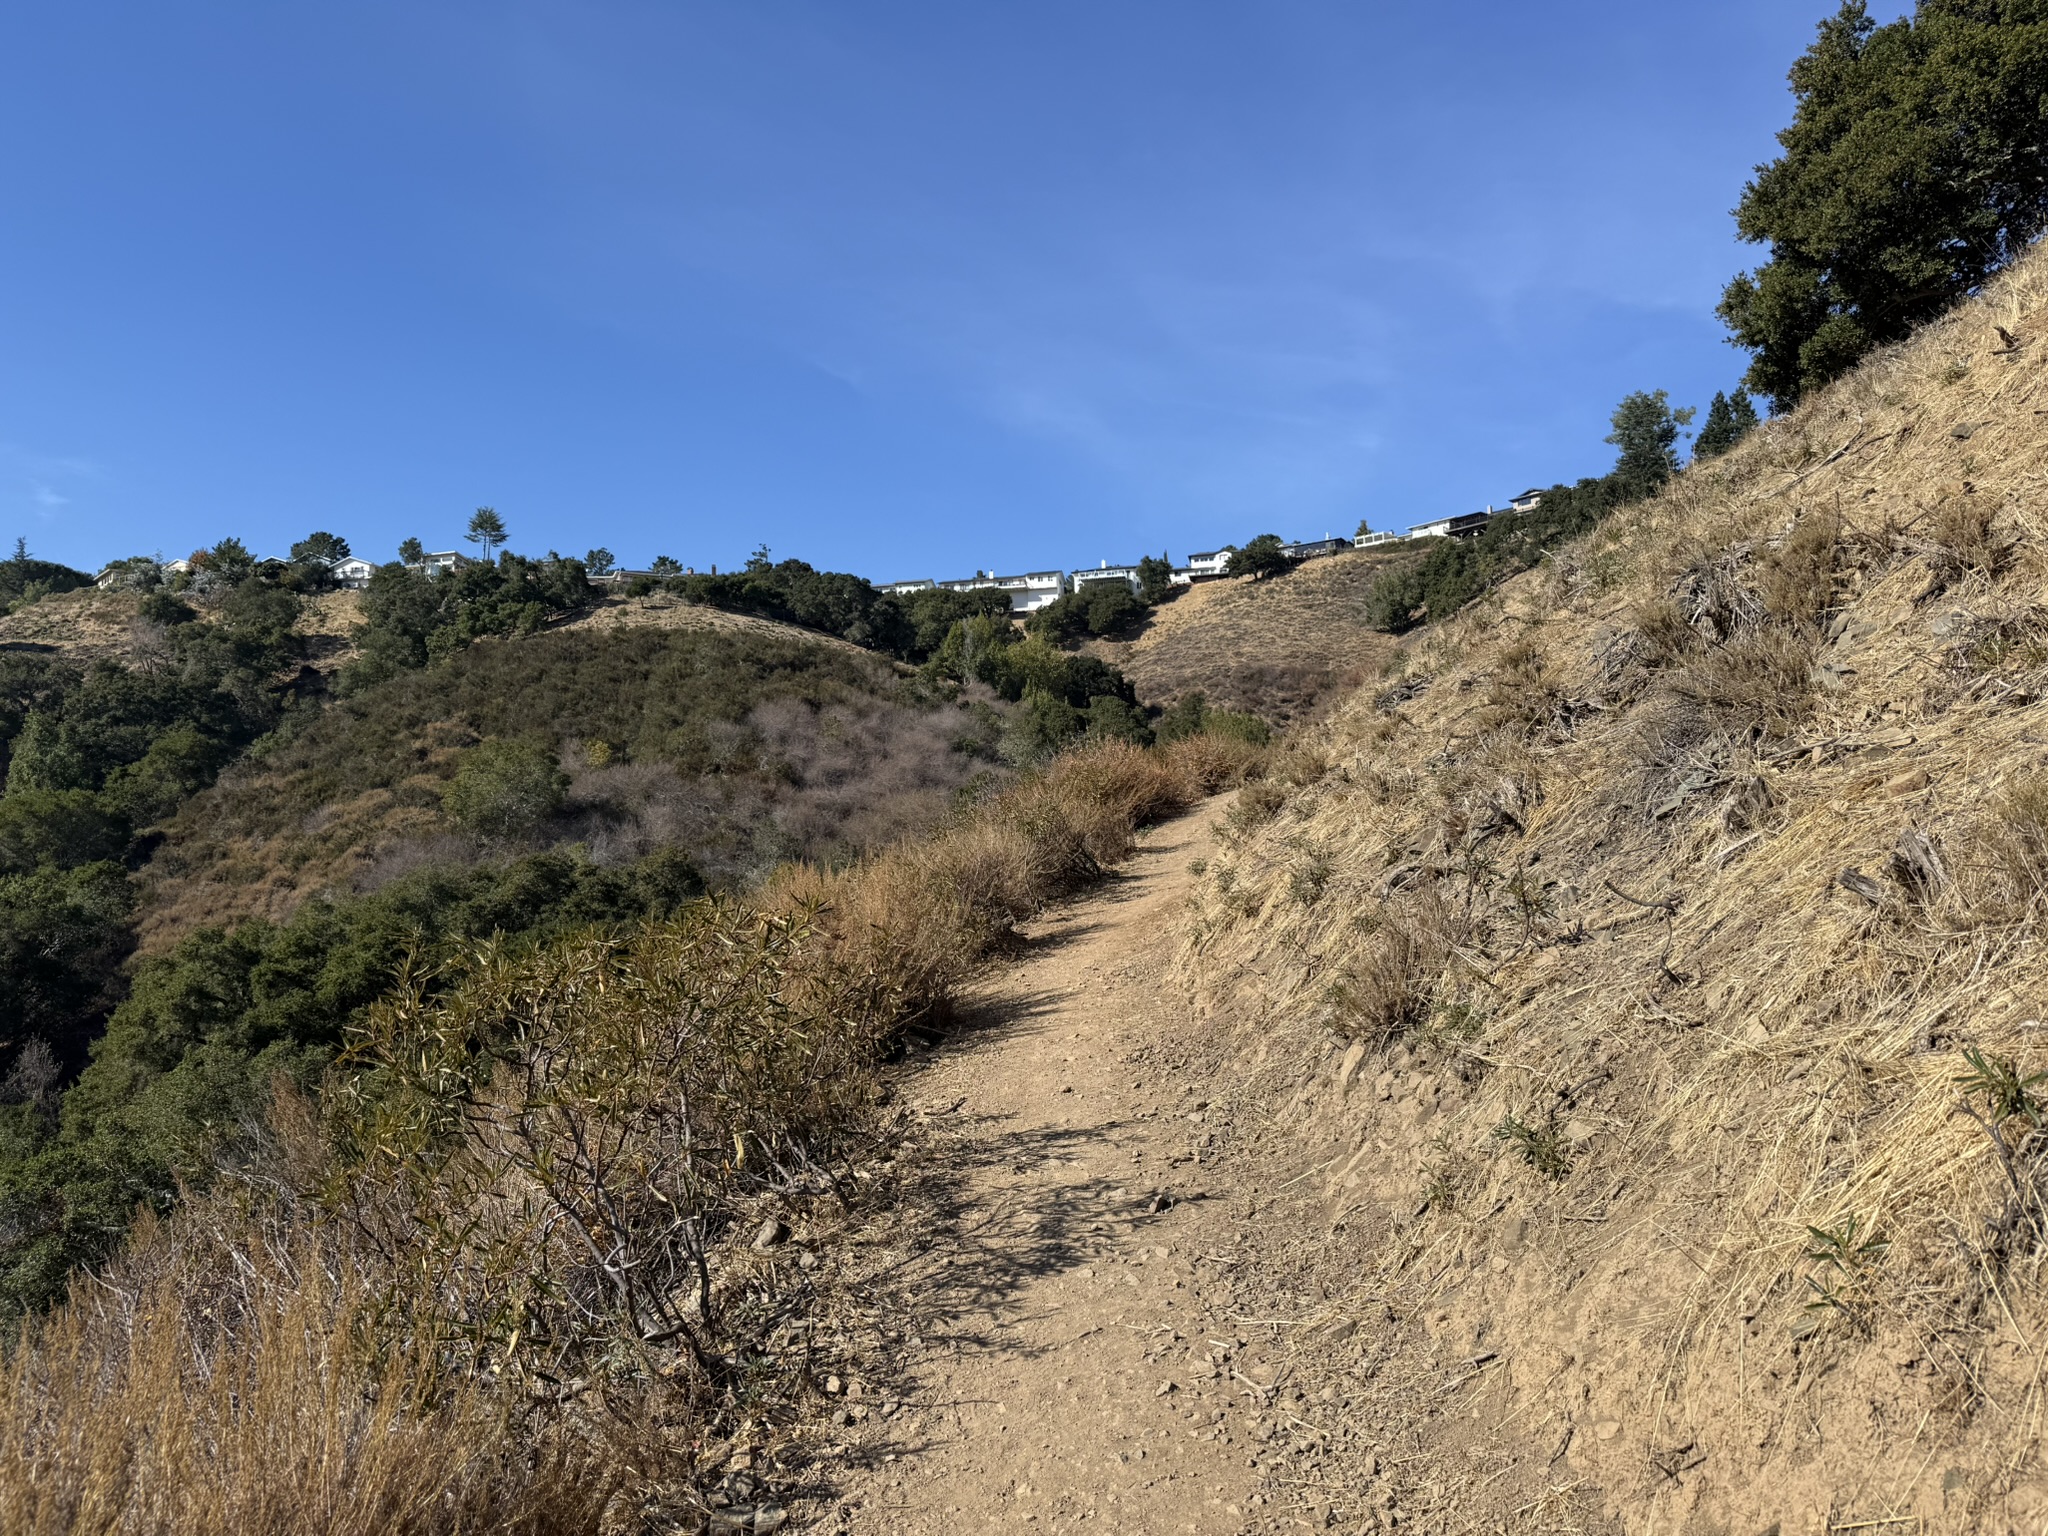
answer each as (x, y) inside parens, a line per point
(1068, 1287)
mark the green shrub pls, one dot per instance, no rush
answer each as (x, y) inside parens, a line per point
(1190, 715)
(167, 609)
(186, 1061)
(1114, 719)
(411, 618)
(1096, 608)
(63, 935)
(505, 788)
(1259, 558)
(62, 828)
(1039, 728)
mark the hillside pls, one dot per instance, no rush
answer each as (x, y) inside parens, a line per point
(660, 610)
(732, 741)
(1281, 648)
(90, 625)
(1653, 966)
(86, 625)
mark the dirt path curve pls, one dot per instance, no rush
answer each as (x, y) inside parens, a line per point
(1063, 1379)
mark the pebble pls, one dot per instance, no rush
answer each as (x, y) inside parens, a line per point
(1606, 1429)
(772, 1233)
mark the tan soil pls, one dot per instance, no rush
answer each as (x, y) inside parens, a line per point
(1057, 1353)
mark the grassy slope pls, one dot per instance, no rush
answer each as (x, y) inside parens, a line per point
(1446, 888)
(1281, 648)
(85, 625)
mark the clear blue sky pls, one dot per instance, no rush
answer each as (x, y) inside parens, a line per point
(901, 288)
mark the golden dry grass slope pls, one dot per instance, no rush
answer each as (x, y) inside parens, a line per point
(1658, 960)
(85, 625)
(1281, 648)
(90, 625)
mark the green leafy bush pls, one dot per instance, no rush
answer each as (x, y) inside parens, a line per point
(187, 1059)
(1914, 167)
(1260, 557)
(505, 788)
(1190, 715)
(1095, 608)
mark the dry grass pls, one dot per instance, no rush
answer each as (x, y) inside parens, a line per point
(506, 1283)
(1779, 865)
(1283, 648)
(221, 1381)
(85, 625)
(929, 910)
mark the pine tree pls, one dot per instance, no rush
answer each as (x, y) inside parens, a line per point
(1729, 420)
(1646, 430)
(320, 549)
(412, 552)
(486, 530)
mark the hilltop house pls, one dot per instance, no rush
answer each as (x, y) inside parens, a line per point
(1105, 572)
(1315, 549)
(1027, 593)
(1369, 540)
(354, 572)
(442, 560)
(1206, 567)
(1528, 501)
(905, 588)
(1466, 526)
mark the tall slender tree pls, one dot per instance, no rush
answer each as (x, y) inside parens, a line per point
(486, 530)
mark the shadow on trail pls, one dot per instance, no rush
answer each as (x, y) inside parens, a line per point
(997, 1200)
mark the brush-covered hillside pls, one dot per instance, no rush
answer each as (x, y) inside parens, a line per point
(1662, 941)
(733, 748)
(1281, 647)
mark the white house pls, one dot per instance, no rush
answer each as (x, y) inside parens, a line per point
(354, 572)
(1368, 540)
(1205, 567)
(1466, 526)
(1027, 593)
(442, 560)
(1127, 574)
(905, 588)
(1527, 501)
(1315, 549)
